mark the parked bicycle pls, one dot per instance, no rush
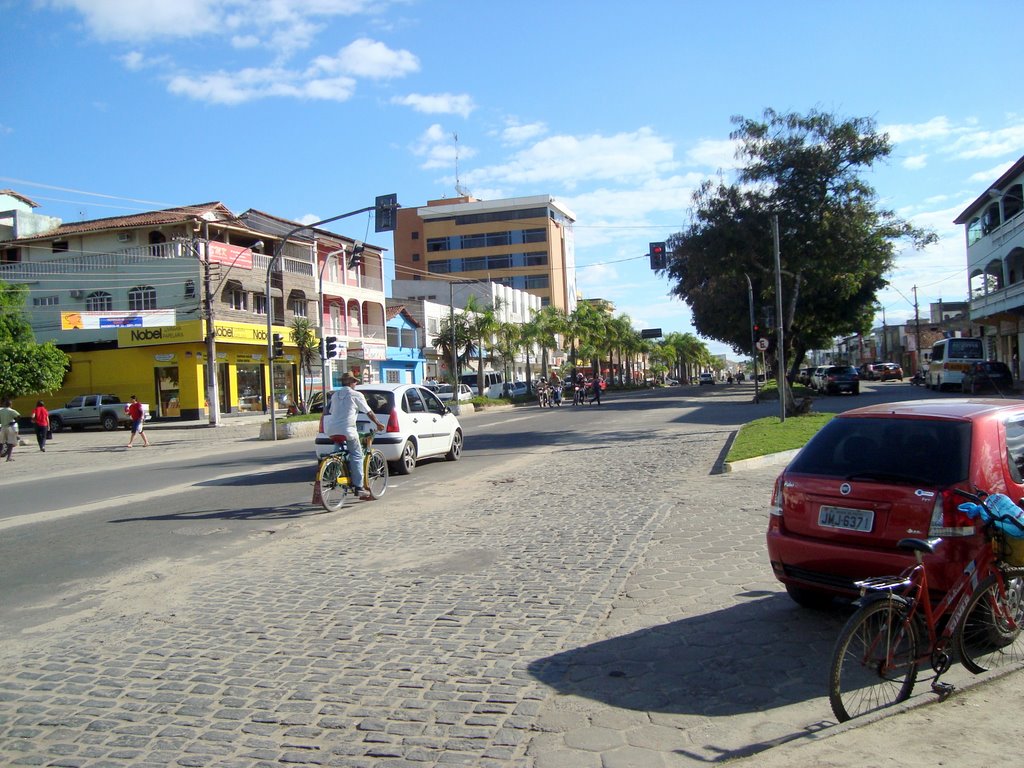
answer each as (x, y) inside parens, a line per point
(898, 628)
(333, 481)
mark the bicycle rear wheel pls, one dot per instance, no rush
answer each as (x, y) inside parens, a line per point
(334, 483)
(990, 636)
(874, 664)
(376, 474)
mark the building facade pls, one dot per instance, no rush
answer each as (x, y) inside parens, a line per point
(994, 232)
(525, 243)
(171, 305)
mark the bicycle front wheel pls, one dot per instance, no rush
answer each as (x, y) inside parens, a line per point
(874, 664)
(990, 636)
(332, 478)
(376, 474)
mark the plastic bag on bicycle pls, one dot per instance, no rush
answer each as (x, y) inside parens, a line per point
(1001, 511)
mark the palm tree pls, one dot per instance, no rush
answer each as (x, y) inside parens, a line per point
(506, 345)
(304, 338)
(463, 342)
(550, 322)
(482, 324)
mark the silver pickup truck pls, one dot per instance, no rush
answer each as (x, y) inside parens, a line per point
(105, 411)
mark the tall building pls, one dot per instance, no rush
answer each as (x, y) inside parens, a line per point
(525, 243)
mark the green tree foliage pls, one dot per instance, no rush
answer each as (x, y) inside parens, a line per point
(836, 243)
(464, 344)
(26, 368)
(304, 338)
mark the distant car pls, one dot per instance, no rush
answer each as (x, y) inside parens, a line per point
(444, 392)
(868, 371)
(987, 375)
(671, 383)
(875, 475)
(817, 376)
(707, 378)
(888, 372)
(804, 376)
(836, 379)
(516, 389)
(417, 425)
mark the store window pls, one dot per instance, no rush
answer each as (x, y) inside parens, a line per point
(249, 380)
(284, 386)
(168, 391)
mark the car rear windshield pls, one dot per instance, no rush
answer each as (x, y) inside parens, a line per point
(917, 451)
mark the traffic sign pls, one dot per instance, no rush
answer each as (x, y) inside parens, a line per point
(762, 344)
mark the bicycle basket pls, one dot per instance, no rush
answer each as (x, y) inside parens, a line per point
(1009, 550)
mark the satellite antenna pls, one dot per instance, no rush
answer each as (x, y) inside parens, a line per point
(462, 192)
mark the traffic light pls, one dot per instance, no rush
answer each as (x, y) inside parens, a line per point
(756, 330)
(356, 257)
(329, 347)
(277, 345)
(658, 256)
(384, 213)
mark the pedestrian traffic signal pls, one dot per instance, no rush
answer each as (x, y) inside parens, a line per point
(658, 256)
(329, 347)
(356, 257)
(277, 346)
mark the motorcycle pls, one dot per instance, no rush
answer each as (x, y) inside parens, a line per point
(919, 379)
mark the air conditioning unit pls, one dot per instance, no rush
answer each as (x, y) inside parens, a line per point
(125, 237)
(77, 294)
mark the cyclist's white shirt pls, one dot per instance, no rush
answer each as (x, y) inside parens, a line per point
(346, 403)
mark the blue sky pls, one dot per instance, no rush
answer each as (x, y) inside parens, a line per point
(310, 108)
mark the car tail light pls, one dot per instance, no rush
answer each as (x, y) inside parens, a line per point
(947, 520)
(778, 503)
(321, 429)
(393, 421)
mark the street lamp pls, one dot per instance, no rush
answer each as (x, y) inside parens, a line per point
(212, 391)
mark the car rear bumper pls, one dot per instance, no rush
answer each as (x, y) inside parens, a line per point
(389, 445)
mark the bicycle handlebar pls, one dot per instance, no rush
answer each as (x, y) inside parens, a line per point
(981, 498)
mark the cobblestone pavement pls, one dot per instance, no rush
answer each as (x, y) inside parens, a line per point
(595, 606)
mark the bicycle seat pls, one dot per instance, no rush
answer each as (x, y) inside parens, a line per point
(925, 546)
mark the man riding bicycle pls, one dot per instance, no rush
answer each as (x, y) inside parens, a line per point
(346, 404)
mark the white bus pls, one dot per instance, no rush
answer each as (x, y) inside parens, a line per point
(493, 383)
(950, 358)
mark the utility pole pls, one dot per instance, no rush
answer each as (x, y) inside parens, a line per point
(780, 351)
(916, 327)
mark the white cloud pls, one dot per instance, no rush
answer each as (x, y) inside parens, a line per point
(936, 128)
(370, 59)
(985, 144)
(438, 148)
(133, 60)
(251, 84)
(915, 162)
(714, 153)
(438, 103)
(986, 177)
(568, 160)
(515, 133)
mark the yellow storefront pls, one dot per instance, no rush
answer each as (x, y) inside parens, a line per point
(166, 368)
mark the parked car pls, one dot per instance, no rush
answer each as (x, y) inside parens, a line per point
(417, 425)
(867, 371)
(516, 389)
(817, 376)
(804, 376)
(987, 375)
(888, 372)
(707, 378)
(444, 392)
(878, 474)
(107, 411)
(836, 379)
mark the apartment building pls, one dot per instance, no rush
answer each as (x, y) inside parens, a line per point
(994, 232)
(153, 303)
(524, 243)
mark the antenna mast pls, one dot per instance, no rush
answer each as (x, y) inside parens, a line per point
(458, 185)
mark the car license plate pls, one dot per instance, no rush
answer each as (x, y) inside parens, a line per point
(846, 519)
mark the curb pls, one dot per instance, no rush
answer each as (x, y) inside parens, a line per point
(768, 460)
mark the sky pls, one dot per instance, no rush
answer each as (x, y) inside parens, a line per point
(311, 108)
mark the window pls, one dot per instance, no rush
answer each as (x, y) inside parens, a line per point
(974, 233)
(415, 257)
(535, 235)
(416, 235)
(60, 246)
(536, 281)
(99, 301)
(235, 296)
(142, 297)
(297, 304)
(391, 376)
(190, 289)
(259, 303)
(1015, 449)
(45, 301)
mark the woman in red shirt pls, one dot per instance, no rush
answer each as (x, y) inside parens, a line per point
(41, 420)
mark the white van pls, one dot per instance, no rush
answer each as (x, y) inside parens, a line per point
(950, 358)
(493, 383)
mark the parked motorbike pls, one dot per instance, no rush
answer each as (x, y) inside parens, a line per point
(918, 379)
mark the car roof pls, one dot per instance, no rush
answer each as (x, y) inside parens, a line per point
(945, 408)
(388, 387)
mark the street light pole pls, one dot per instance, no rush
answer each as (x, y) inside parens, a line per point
(323, 360)
(278, 249)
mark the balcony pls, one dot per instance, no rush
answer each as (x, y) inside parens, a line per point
(81, 262)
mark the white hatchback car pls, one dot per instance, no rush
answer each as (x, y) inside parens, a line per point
(417, 425)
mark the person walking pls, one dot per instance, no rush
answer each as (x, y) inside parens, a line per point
(346, 404)
(596, 386)
(137, 415)
(8, 427)
(41, 421)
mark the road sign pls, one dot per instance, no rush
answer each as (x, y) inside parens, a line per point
(650, 333)
(762, 344)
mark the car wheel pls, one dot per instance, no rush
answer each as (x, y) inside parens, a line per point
(407, 461)
(455, 452)
(109, 422)
(56, 424)
(809, 598)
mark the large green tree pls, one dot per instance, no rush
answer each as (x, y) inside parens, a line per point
(836, 242)
(26, 368)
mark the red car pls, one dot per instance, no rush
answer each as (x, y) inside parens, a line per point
(875, 475)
